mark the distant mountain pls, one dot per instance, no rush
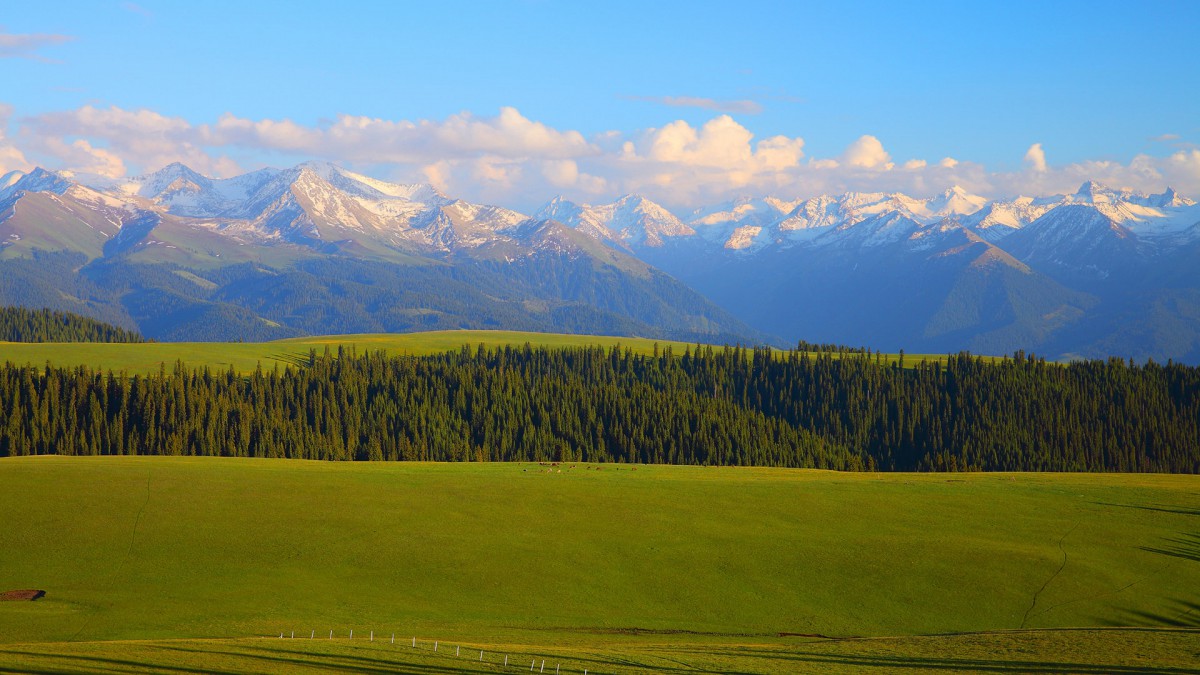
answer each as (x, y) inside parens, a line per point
(1063, 275)
(1074, 275)
(316, 248)
(631, 221)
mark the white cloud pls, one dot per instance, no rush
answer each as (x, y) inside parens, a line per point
(679, 163)
(372, 140)
(512, 160)
(83, 157)
(867, 153)
(11, 159)
(1035, 158)
(143, 138)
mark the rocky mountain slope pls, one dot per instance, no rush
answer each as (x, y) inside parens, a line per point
(317, 248)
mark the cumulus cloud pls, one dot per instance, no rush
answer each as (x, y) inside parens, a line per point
(1035, 158)
(679, 162)
(515, 161)
(83, 157)
(112, 137)
(27, 45)
(11, 159)
(509, 135)
(740, 106)
(867, 153)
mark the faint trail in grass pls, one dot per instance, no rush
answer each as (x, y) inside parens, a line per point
(1159, 572)
(1054, 576)
(128, 554)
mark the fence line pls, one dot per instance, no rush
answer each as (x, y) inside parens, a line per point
(532, 664)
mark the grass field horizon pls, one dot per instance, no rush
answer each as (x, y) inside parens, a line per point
(244, 357)
(603, 562)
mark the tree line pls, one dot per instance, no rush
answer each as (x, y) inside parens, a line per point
(21, 324)
(730, 406)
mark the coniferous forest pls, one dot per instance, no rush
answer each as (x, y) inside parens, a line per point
(21, 324)
(730, 406)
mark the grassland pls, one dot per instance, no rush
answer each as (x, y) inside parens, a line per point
(246, 356)
(155, 564)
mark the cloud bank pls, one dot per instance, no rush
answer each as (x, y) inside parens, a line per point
(515, 161)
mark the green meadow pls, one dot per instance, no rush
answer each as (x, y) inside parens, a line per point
(156, 564)
(244, 357)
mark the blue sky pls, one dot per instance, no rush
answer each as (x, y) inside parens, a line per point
(1109, 88)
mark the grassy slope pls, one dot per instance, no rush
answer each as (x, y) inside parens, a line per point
(245, 356)
(507, 555)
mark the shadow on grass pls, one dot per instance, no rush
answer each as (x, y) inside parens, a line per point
(808, 661)
(1179, 614)
(1161, 508)
(94, 664)
(1186, 546)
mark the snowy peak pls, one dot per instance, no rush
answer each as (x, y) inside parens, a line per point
(954, 202)
(38, 180)
(642, 222)
(1093, 192)
(632, 220)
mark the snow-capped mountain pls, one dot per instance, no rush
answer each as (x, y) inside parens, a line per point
(631, 221)
(318, 249)
(949, 271)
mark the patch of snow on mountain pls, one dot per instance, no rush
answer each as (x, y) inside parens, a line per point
(743, 237)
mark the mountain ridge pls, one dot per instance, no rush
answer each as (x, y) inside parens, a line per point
(767, 260)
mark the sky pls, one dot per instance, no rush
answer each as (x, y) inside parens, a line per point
(689, 103)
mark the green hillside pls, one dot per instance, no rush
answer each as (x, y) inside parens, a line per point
(622, 568)
(244, 357)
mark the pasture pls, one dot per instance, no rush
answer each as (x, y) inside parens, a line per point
(244, 357)
(158, 563)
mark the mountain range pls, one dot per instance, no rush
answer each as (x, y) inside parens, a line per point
(319, 249)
